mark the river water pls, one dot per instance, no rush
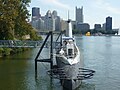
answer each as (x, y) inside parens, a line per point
(100, 53)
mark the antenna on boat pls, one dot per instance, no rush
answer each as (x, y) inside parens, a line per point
(69, 27)
(68, 17)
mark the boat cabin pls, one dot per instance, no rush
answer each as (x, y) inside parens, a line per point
(68, 47)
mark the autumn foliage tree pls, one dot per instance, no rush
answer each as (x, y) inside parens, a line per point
(14, 19)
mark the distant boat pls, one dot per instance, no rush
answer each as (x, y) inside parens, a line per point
(118, 34)
(88, 34)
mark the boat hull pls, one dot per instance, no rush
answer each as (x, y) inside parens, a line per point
(71, 71)
(70, 84)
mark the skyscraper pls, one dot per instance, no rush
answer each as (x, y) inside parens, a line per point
(79, 15)
(97, 26)
(35, 13)
(57, 21)
(109, 23)
(49, 21)
(54, 13)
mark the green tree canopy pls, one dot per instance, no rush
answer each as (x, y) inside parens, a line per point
(8, 14)
(14, 19)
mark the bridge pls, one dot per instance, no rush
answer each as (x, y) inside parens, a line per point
(24, 43)
(46, 32)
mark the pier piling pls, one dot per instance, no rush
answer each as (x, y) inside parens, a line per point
(50, 60)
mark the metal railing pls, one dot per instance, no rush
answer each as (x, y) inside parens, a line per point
(24, 43)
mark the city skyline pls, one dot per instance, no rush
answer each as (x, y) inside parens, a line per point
(95, 11)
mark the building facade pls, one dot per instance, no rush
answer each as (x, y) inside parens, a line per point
(97, 26)
(35, 13)
(57, 23)
(109, 23)
(49, 21)
(63, 25)
(54, 14)
(74, 25)
(104, 26)
(83, 27)
(79, 15)
(38, 24)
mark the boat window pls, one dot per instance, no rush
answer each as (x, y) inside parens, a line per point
(70, 51)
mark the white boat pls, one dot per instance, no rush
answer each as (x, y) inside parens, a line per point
(68, 58)
(69, 62)
(118, 34)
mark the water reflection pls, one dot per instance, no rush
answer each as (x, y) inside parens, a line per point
(86, 86)
(101, 54)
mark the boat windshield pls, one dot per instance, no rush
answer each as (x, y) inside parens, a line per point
(70, 51)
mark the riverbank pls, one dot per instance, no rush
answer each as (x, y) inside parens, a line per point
(10, 51)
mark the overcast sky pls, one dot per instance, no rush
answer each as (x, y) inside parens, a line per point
(95, 11)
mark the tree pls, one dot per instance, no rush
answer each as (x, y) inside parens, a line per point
(22, 27)
(8, 13)
(14, 19)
